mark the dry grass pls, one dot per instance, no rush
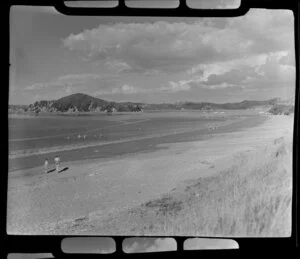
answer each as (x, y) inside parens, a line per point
(165, 206)
(251, 198)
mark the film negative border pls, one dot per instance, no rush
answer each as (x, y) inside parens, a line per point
(250, 246)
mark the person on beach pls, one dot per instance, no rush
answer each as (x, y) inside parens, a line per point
(46, 164)
(57, 161)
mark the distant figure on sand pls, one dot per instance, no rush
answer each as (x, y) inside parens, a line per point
(57, 161)
(46, 163)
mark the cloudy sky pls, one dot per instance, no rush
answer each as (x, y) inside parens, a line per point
(151, 60)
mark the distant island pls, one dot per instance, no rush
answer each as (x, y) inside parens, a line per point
(80, 102)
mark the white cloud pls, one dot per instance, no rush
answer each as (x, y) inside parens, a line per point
(175, 47)
(143, 45)
(117, 65)
(196, 82)
(258, 70)
(69, 80)
(219, 86)
(127, 89)
(182, 85)
(79, 77)
(273, 72)
(261, 70)
(124, 89)
(222, 67)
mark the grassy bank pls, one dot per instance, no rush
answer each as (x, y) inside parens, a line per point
(251, 198)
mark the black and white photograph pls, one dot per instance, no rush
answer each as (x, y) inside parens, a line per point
(151, 126)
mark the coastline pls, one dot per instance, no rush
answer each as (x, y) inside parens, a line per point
(94, 193)
(129, 145)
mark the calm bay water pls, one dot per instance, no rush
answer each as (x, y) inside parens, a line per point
(101, 136)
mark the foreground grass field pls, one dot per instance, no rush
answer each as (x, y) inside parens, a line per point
(251, 198)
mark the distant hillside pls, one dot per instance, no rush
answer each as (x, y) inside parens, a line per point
(247, 104)
(213, 106)
(280, 109)
(84, 103)
(79, 102)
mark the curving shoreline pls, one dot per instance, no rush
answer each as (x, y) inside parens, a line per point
(149, 142)
(94, 197)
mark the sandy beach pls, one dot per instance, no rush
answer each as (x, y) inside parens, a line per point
(166, 192)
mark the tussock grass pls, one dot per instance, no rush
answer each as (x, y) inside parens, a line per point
(165, 206)
(251, 198)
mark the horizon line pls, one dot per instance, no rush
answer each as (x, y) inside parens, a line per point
(174, 102)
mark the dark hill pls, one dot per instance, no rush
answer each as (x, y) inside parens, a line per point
(83, 103)
(79, 102)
